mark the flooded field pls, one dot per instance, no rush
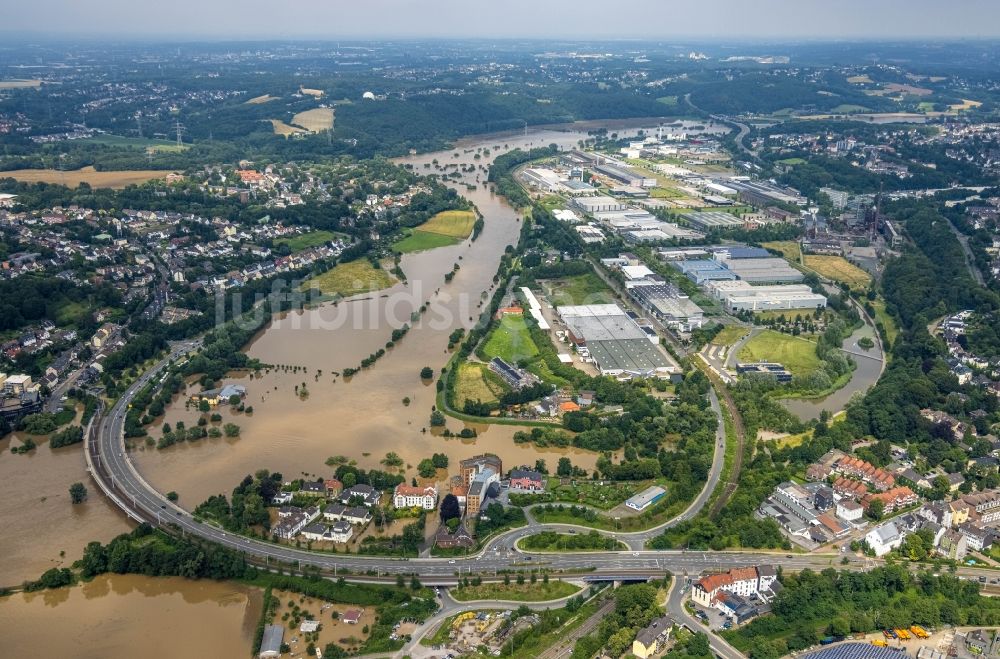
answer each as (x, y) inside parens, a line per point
(132, 616)
(363, 417)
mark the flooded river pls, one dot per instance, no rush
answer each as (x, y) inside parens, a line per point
(363, 417)
(38, 519)
(132, 616)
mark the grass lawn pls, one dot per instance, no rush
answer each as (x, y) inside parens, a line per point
(473, 381)
(882, 316)
(838, 269)
(667, 100)
(351, 278)
(729, 335)
(526, 592)
(798, 355)
(792, 161)
(307, 240)
(789, 249)
(581, 289)
(418, 241)
(445, 228)
(510, 341)
(117, 140)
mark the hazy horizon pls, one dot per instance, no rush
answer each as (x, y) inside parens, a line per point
(565, 20)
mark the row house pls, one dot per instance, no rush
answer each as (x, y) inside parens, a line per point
(878, 478)
(892, 500)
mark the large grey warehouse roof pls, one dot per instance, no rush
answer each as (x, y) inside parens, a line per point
(637, 356)
(600, 322)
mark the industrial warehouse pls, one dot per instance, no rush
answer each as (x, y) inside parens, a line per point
(617, 345)
(742, 296)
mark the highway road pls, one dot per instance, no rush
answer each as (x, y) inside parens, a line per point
(114, 472)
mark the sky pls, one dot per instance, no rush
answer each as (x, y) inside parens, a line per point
(540, 19)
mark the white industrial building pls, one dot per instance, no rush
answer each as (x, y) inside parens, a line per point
(592, 205)
(614, 342)
(534, 308)
(738, 295)
(764, 271)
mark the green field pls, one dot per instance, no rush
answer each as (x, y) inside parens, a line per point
(581, 289)
(351, 278)
(445, 228)
(476, 382)
(307, 240)
(796, 354)
(667, 100)
(847, 108)
(727, 336)
(882, 316)
(792, 161)
(510, 341)
(526, 592)
(135, 142)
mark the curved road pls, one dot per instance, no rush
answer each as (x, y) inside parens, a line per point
(117, 477)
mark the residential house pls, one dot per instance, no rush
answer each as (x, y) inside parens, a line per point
(313, 489)
(976, 537)
(884, 538)
(369, 495)
(351, 514)
(892, 500)
(849, 510)
(953, 545)
(526, 480)
(651, 639)
(406, 496)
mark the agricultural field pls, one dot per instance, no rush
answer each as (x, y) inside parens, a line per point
(477, 382)
(510, 341)
(351, 278)
(307, 240)
(581, 289)
(847, 108)
(796, 354)
(445, 228)
(315, 120)
(311, 92)
(789, 249)
(165, 146)
(111, 179)
(283, 129)
(860, 80)
(20, 84)
(838, 269)
(260, 100)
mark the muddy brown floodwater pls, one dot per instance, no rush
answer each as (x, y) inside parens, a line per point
(132, 616)
(363, 417)
(39, 521)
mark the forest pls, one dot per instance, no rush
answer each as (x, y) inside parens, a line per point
(813, 605)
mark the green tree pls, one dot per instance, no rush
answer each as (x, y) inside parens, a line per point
(437, 419)
(77, 493)
(426, 373)
(203, 406)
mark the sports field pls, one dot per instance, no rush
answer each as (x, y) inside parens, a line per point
(89, 175)
(351, 278)
(838, 269)
(445, 228)
(315, 120)
(510, 341)
(798, 355)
